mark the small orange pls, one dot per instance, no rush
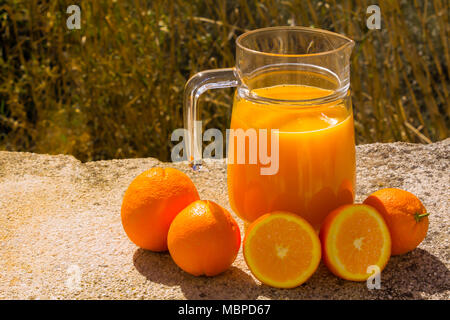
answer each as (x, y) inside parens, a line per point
(355, 237)
(405, 216)
(151, 202)
(281, 249)
(204, 239)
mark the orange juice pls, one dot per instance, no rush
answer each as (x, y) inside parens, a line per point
(316, 171)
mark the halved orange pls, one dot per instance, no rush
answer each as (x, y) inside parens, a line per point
(353, 238)
(281, 249)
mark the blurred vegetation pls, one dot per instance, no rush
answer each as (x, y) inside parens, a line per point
(114, 88)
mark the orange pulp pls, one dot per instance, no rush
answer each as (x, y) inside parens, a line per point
(316, 171)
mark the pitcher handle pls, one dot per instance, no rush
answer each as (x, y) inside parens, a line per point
(196, 85)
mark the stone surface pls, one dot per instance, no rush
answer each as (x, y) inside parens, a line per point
(61, 235)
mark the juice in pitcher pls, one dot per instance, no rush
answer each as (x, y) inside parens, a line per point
(293, 85)
(316, 170)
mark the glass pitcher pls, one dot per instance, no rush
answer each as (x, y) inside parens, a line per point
(291, 146)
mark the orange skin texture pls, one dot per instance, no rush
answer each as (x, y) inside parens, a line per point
(150, 204)
(398, 208)
(204, 239)
(323, 236)
(254, 224)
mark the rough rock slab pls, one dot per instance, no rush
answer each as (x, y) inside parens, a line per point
(61, 235)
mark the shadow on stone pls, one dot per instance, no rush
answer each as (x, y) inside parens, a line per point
(160, 268)
(405, 277)
(232, 284)
(157, 267)
(408, 276)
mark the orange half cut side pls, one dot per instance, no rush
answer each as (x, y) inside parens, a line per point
(281, 249)
(354, 238)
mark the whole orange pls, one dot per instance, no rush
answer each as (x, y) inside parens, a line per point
(204, 239)
(405, 215)
(151, 202)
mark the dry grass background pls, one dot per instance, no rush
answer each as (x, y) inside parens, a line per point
(114, 88)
